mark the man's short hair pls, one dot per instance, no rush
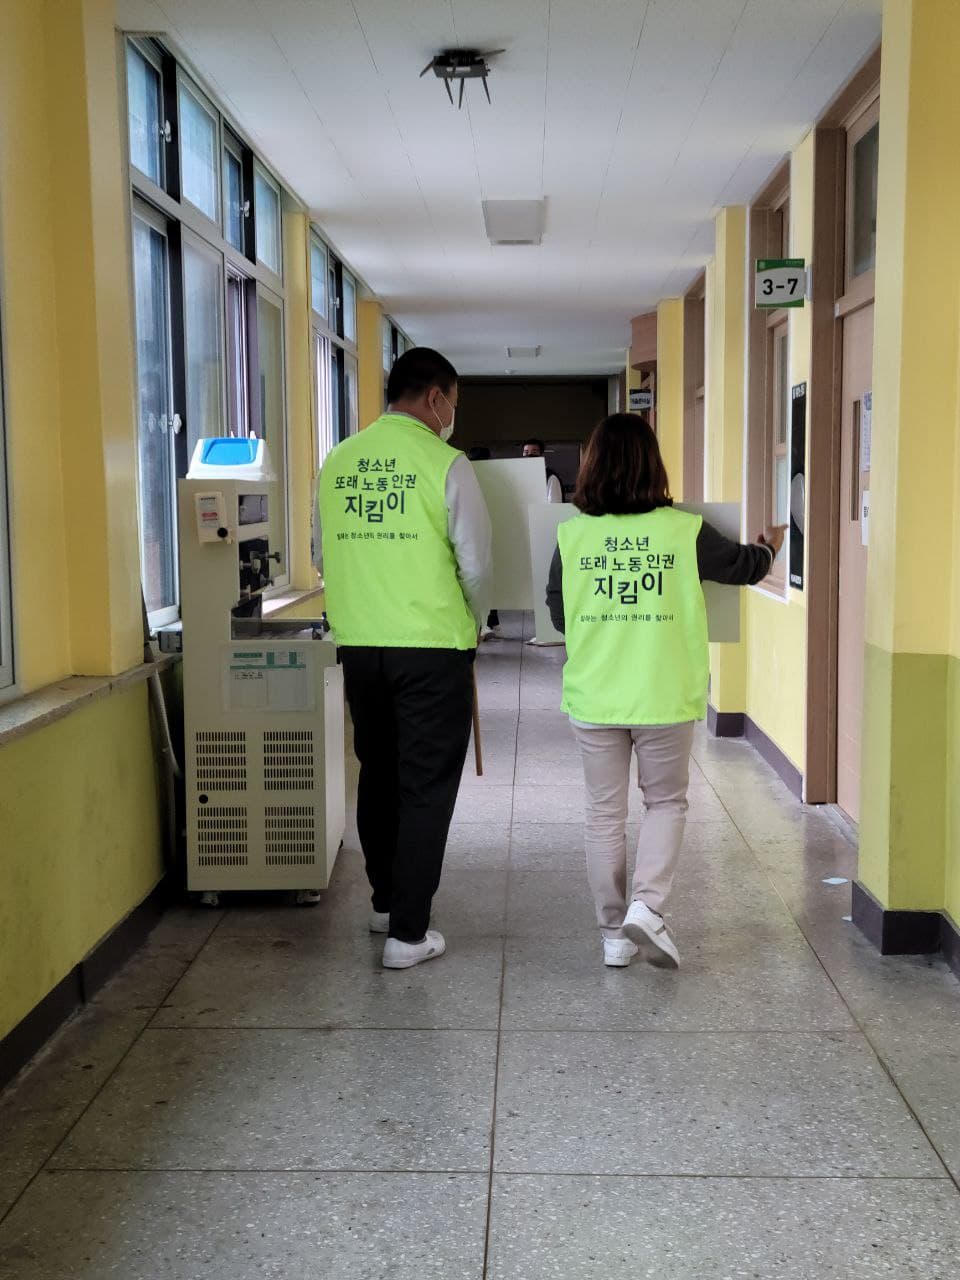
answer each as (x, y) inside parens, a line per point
(537, 442)
(416, 371)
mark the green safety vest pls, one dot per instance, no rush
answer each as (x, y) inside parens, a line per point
(636, 622)
(389, 569)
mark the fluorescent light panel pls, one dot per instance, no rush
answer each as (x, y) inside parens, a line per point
(514, 221)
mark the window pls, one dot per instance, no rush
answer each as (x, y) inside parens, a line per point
(234, 203)
(209, 329)
(272, 416)
(238, 376)
(323, 397)
(768, 387)
(155, 417)
(863, 228)
(318, 276)
(199, 152)
(351, 395)
(145, 116)
(6, 623)
(203, 340)
(349, 297)
(266, 209)
(387, 340)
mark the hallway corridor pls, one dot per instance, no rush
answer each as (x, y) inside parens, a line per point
(254, 1096)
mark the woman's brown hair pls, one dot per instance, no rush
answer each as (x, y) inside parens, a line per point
(622, 472)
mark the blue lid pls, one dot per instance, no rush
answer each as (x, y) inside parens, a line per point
(228, 451)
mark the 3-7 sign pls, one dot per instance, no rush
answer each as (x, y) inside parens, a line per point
(780, 282)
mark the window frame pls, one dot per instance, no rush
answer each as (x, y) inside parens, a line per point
(185, 82)
(261, 171)
(280, 580)
(231, 145)
(857, 129)
(330, 326)
(770, 236)
(153, 57)
(186, 223)
(143, 210)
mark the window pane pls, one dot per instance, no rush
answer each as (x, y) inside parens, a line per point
(781, 514)
(158, 535)
(866, 157)
(144, 99)
(783, 387)
(270, 344)
(336, 392)
(351, 392)
(198, 153)
(318, 278)
(237, 376)
(387, 346)
(233, 199)
(325, 429)
(333, 297)
(203, 335)
(267, 212)
(349, 308)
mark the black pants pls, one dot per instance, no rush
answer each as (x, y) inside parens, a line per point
(411, 711)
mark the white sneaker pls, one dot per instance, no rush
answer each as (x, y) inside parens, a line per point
(404, 955)
(379, 922)
(491, 633)
(618, 952)
(644, 926)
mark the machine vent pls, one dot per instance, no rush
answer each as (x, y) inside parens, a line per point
(221, 760)
(222, 836)
(290, 835)
(288, 760)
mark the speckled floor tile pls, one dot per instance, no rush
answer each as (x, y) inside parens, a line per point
(293, 1100)
(177, 939)
(256, 1226)
(800, 1105)
(484, 804)
(561, 984)
(40, 1106)
(254, 981)
(726, 1228)
(474, 846)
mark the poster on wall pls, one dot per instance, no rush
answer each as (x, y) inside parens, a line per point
(798, 487)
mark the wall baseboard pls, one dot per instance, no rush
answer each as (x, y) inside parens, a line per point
(81, 984)
(736, 724)
(906, 933)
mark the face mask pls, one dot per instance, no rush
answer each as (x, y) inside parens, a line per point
(446, 432)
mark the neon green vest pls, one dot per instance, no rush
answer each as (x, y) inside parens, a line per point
(635, 617)
(389, 569)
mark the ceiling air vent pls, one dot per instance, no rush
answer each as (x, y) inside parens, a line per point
(514, 221)
(523, 353)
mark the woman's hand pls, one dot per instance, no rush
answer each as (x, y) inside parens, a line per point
(772, 537)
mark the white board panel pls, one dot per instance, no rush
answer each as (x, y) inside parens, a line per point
(723, 603)
(510, 486)
(544, 522)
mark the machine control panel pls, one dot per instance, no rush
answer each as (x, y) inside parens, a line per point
(212, 522)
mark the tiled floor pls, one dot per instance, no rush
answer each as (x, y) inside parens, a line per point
(255, 1097)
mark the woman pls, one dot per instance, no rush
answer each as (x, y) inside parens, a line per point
(625, 588)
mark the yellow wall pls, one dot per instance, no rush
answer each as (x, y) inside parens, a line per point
(724, 422)
(78, 808)
(370, 357)
(78, 854)
(670, 389)
(910, 835)
(777, 628)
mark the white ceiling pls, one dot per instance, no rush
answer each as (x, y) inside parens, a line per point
(635, 119)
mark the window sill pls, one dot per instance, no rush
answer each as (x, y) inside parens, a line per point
(773, 590)
(56, 701)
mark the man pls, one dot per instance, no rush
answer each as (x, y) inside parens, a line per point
(406, 562)
(534, 448)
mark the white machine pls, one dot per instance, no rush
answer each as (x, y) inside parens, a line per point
(263, 698)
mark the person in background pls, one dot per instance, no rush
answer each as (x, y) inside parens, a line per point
(625, 587)
(491, 629)
(534, 448)
(405, 557)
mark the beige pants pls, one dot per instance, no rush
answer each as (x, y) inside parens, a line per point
(663, 757)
